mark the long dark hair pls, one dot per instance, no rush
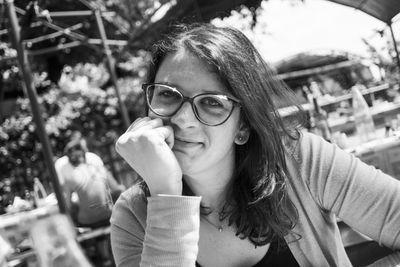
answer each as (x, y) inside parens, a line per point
(257, 202)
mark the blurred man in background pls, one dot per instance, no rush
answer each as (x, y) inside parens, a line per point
(89, 187)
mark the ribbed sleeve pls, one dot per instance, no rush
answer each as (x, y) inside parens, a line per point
(172, 231)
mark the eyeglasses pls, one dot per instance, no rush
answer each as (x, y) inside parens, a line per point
(209, 108)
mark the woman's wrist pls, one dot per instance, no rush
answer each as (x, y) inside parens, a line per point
(172, 211)
(170, 190)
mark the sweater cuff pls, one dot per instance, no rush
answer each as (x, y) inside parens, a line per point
(172, 231)
(173, 212)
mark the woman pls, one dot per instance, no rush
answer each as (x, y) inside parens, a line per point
(226, 182)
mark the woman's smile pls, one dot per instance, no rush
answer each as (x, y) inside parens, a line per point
(184, 144)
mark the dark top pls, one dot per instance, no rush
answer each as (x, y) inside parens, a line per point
(276, 256)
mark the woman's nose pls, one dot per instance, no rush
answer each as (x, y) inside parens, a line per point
(185, 116)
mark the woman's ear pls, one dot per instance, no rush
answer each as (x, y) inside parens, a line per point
(243, 134)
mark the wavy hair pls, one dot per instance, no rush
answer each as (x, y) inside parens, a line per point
(257, 202)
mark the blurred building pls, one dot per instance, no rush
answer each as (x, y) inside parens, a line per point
(326, 73)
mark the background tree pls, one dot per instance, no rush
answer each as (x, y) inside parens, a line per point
(74, 89)
(139, 22)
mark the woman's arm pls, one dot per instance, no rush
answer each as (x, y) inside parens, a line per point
(128, 224)
(365, 198)
(392, 260)
(168, 237)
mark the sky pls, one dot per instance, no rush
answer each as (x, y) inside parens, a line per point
(287, 27)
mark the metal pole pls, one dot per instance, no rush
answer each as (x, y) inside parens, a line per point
(76, 13)
(395, 47)
(54, 48)
(32, 94)
(111, 69)
(53, 35)
(1, 100)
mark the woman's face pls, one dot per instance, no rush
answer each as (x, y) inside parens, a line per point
(199, 148)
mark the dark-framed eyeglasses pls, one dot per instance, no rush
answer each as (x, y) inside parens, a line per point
(209, 108)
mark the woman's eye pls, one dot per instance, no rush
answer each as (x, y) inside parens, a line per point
(166, 93)
(212, 102)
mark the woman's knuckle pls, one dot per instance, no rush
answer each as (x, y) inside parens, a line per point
(145, 138)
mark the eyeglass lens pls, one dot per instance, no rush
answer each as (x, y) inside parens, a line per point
(209, 108)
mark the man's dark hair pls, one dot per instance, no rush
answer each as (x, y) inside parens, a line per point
(76, 144)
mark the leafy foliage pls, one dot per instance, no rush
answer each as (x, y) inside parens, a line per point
(91, 110)
(80, 98)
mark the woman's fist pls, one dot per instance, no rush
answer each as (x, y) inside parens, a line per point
(146, 146)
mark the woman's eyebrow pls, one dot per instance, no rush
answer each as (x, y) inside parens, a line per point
(169, 84)
(198, 90)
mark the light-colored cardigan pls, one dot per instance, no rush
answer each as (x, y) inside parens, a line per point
(324, 182)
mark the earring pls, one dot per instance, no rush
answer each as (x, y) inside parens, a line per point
(241, 140)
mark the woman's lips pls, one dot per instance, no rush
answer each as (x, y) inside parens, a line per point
(181, 143)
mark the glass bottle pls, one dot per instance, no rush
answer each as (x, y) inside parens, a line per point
(365, 127)
(39, 192)
(55, 244)
(320, 121)
(5, 249)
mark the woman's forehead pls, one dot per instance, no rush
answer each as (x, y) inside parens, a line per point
(185, 62)
(185, 71)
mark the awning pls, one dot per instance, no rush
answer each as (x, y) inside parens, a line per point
(307, 60)
(384, 10)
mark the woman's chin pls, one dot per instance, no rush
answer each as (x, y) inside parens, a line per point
(185, 162)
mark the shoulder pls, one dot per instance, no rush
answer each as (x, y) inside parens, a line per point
(64, 169)
(307, 146)
(316, 161)
(60, 162)
(63, 166)
(311, 158)
(130, 210)
(92, 158)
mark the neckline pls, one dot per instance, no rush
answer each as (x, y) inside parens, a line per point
(272, 248)
(219, 227)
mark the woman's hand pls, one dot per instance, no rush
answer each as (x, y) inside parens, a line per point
(146, 146)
